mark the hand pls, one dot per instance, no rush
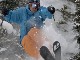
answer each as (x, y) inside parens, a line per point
(51, 9)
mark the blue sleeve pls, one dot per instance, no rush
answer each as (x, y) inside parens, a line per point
(14, 16)
(45, 13)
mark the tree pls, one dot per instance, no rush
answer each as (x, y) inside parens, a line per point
(10, 4)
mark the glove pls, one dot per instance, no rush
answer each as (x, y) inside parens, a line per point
(7, 26)
(51, 9)
(5, 11)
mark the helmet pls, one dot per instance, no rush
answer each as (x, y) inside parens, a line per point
(33, 1)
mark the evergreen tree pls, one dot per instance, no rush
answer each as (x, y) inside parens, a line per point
(77, 18)
(10, 4)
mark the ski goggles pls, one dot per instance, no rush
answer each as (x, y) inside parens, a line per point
(34, 4)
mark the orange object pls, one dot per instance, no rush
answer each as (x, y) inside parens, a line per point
(32, 42)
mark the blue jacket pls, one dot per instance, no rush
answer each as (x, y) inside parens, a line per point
(26, 19)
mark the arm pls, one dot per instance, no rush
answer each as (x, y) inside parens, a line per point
(47, 12)
(13, 15)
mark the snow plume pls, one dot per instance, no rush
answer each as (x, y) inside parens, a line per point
(61, 32)
(68, 44)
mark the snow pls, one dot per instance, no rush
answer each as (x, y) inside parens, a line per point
(76, 0)
(2, 49)
(55, 32)
(0, 0)
(66, 39)
(58, 16)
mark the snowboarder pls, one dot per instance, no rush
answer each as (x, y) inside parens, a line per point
(30, 19)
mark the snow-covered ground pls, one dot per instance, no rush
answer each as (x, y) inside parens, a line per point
(10, 49)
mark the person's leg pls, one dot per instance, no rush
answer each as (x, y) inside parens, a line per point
(30, 46)
(32, 42)
(23, 32)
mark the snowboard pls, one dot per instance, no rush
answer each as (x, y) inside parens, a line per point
(46, 54)
(57, 50)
